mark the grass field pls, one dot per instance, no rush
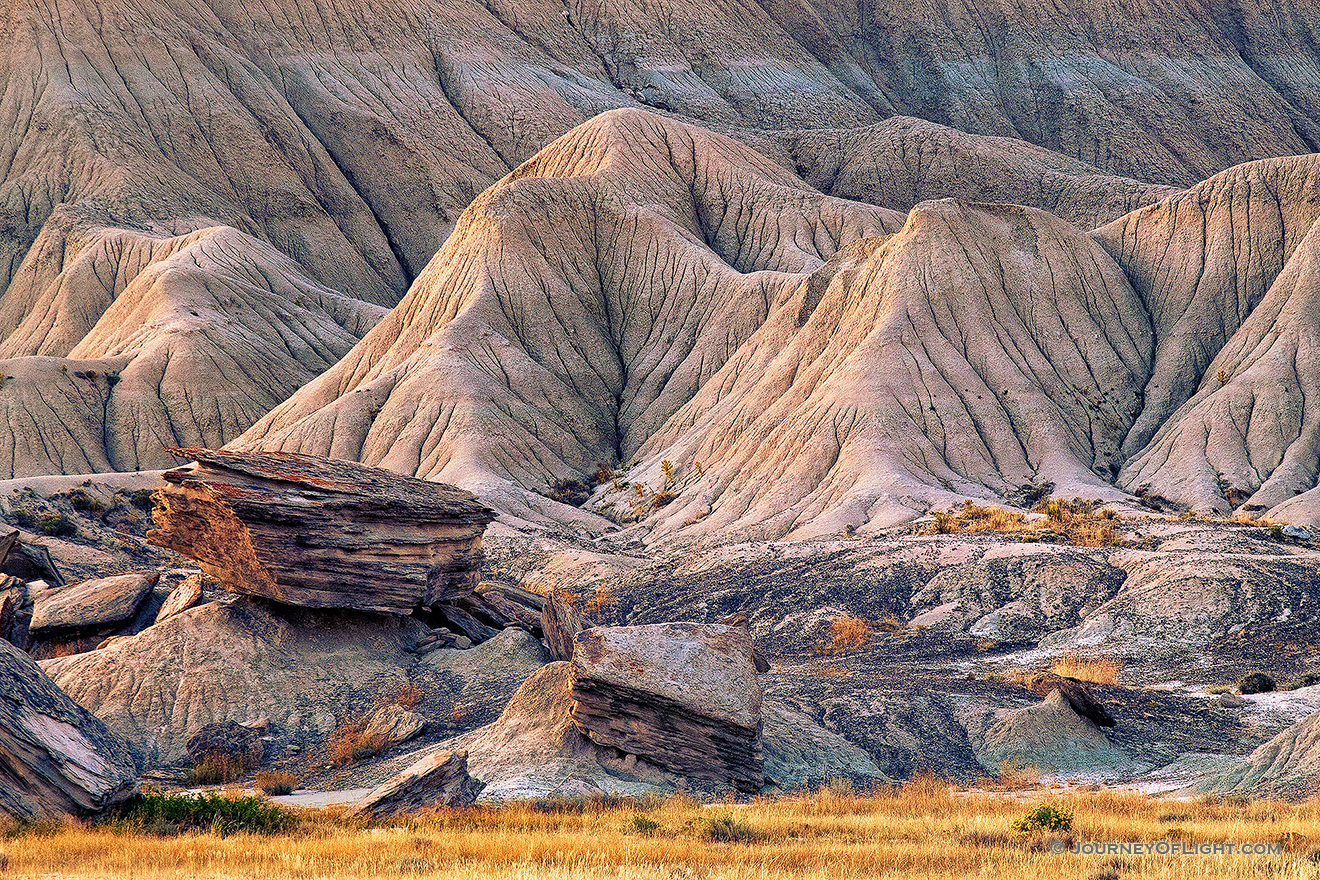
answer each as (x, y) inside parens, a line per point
(923, 829)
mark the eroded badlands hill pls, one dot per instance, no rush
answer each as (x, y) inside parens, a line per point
(805, 365)
(206, 207)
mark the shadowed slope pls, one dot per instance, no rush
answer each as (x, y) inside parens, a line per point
(577, 306)
(1250, 436)
(903, 161)
(1202, 261)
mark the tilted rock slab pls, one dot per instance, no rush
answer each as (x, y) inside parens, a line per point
(561, 622)
(91, 604)
(439, 779)
(321, 534)
(55, 757)
(1075, 692)
(682, 695)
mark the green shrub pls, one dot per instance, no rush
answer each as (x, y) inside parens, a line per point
(1276, 533)
(142, 498)
(57, 525)
(1306, 679)
(23, 517)
(726, 829)
(1044, 818)
(167, 814)
(1255, 682)
(645, 825)
(84, 503)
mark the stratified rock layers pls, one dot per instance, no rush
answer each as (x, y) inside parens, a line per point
(319, 533)
(682, 695)
(55, 757)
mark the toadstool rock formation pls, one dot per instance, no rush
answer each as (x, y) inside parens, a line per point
(319, 533)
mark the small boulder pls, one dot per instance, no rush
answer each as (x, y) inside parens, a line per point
(439, 779)
(391, 725)
(685, 696)
(184, 596)
(56, 758)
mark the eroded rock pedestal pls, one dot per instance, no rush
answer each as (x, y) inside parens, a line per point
(684, 695)
(321, 533)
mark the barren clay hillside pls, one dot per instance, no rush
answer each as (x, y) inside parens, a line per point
(765, 361)
(696, 233)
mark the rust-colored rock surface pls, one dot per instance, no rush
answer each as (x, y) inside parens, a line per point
(320, 533)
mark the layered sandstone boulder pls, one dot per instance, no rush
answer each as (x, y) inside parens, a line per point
(56, 758)
(320, 533)
(683, 695)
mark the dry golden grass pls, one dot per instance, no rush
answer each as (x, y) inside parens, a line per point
(922, 829)
(846, 634)
(1077, 522)
(350, 743)
(407, 696)
(1098, 670)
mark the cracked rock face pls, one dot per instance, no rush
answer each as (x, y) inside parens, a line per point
(306, 670)
(56, 758)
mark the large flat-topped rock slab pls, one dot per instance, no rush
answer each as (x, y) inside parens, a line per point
(321, 533)
(683, 695)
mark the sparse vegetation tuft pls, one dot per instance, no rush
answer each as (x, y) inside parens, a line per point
(727, 829)
(645, 825)
(351, 743)
(217, 767)
(1077, 522)
(276, 782)
(1097, 670)
(1255, 682)
(57, 525)
(1306, 679)
(846, 634)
